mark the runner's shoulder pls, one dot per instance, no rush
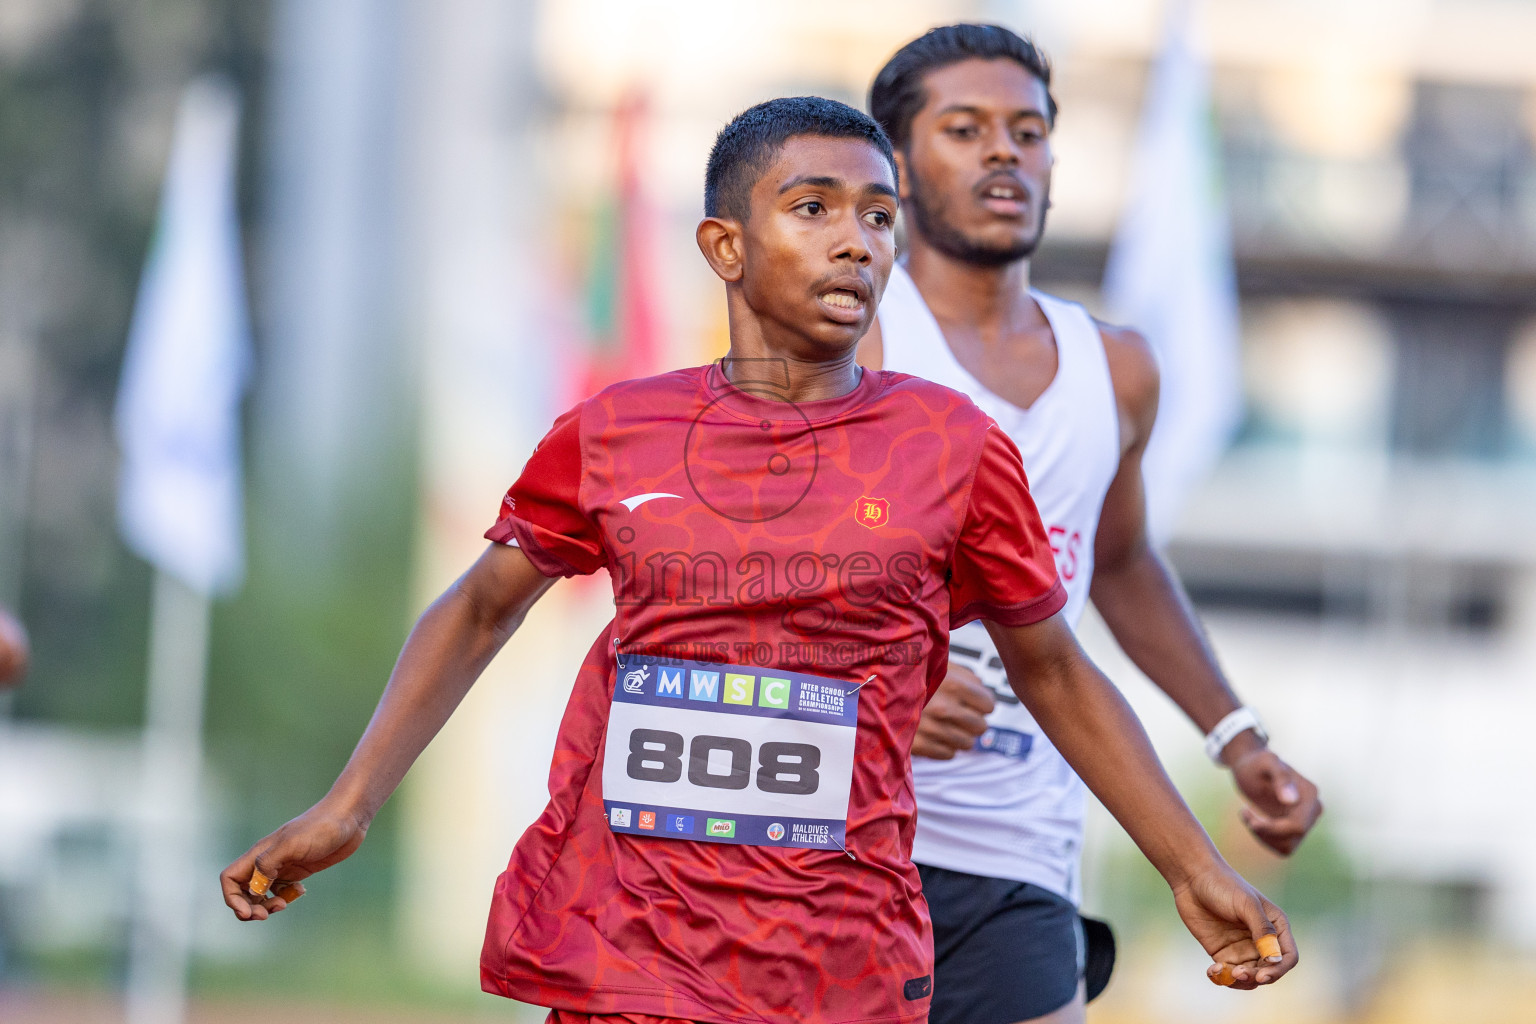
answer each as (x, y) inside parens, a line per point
(894, 382)
(683, 381)
(640, 398)
(954, 410)
(1132, 367)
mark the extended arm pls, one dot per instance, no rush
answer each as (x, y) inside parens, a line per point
(1098, 734)
(1145, 607)
(452, 642)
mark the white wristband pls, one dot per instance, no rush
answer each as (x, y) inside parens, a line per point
(1227, 729)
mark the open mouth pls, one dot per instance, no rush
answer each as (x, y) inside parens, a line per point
(1004, 196)
(842, 299)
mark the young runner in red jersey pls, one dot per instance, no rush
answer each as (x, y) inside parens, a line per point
(789, 538)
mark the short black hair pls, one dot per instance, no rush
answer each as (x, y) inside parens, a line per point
(747, 147)
(898, 94)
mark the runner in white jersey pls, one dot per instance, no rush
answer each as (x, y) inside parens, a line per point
(1011, 808)
(1000, 814)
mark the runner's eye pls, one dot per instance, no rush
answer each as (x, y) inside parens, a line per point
(878, 218)
(812, 208)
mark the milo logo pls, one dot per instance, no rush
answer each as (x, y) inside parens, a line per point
(724, 827)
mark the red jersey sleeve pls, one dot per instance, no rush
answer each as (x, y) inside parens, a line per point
(542, 511)
(1003, 569)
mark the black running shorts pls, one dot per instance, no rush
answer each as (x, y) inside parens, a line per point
(1006, 951)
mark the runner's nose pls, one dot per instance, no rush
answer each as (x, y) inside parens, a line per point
(1001, 149)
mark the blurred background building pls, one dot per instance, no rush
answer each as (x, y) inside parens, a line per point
(461, 214)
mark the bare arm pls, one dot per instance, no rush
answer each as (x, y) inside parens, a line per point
(452, 642)
(1133, 588)
(1147, 610)
(1098, 734)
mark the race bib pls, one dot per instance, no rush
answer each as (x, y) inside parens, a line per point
(971, 645)
(726, 754)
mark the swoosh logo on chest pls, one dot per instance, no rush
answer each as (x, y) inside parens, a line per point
(641, 499)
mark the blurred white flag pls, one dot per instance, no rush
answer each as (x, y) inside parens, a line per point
(178, 404)
(1170, 274)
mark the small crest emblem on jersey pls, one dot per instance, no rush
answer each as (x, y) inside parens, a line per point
(872, 512)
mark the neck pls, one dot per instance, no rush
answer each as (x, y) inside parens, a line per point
(989, 299)
(796, 369)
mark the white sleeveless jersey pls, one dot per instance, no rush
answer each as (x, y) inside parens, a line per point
(1012, 807)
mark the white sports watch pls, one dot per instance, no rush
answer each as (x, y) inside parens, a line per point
(1227, 729)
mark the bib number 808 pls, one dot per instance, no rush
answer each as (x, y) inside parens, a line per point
(657, 756)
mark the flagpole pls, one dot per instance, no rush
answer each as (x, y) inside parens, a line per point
(180, 508)
(171, 773)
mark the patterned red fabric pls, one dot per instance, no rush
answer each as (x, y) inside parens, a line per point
(567, 1017)
(841, 538)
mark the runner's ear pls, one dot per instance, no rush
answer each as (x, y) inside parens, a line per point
(719, 240)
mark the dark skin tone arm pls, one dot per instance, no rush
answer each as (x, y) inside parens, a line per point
(1150, 615)
(1090, 723)
(452, 642)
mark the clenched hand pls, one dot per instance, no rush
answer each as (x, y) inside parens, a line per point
(955, 716)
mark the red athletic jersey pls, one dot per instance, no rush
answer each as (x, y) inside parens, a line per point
(841, 538)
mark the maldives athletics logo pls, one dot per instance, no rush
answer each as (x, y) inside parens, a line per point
(872, 512)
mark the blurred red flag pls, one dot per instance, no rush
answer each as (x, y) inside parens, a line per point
(623, 326)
